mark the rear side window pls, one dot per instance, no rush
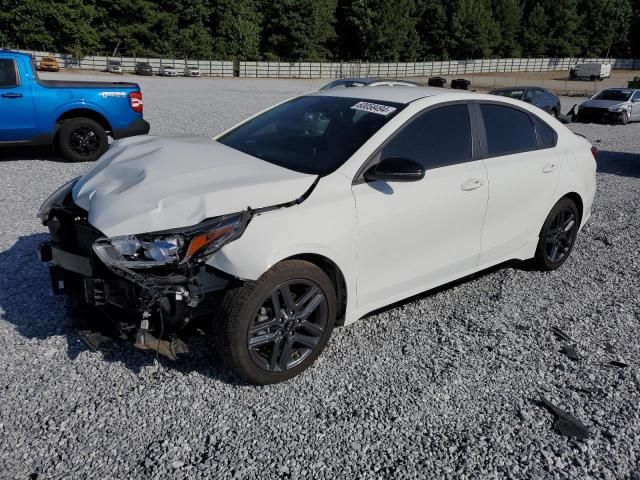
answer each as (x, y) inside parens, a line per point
(547, 137)
(508, 130)
(434, 139)
(8, 77)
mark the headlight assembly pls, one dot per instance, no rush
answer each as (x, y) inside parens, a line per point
(617, 109)
(55, 198)
(172, 247)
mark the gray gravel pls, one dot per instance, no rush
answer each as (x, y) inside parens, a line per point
(443, 386)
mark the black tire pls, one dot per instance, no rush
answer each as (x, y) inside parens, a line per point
(252, 338)
(555, 113)
(557, 236)
(624, 118)
(82, 140)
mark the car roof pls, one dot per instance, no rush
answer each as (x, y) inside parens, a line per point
(519, 87)
(399, 94)
(622, 89)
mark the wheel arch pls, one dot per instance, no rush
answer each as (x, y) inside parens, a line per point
(334, 273)
(577, 199)
(81, 112)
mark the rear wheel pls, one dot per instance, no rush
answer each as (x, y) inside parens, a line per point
(271, 330)
(82, 140)
(558, 235)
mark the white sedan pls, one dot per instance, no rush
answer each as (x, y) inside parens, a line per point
(312, 214)
(167, 71)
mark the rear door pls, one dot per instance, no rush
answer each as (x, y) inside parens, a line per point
(523, 168)
(414, 235)
(17, 115)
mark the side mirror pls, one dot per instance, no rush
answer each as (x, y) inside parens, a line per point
(395, 169)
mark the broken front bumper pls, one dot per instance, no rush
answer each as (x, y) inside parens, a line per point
(598, 115)
(154, 307)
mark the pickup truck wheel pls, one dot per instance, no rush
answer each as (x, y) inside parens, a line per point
(82, 140)
(271, 330)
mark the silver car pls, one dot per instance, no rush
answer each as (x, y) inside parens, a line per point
(614, 105)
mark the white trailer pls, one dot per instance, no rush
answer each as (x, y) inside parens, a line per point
(591, 71)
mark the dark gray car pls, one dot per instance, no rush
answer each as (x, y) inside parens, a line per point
(614, 105)
(537, 96)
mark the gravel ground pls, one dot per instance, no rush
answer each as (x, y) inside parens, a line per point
(443, 386)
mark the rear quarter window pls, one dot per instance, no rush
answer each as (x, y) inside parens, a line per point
(547, 136)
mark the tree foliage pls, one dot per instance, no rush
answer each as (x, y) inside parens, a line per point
(375, 30)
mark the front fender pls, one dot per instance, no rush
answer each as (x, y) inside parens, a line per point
(324, 224)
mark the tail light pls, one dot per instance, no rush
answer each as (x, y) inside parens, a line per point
(594, 152)
(135, 101)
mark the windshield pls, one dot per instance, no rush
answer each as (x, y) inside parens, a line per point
(312, 134)
(617, 95)
(517, 94)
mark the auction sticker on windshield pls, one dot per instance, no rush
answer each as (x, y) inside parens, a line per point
(374, 108)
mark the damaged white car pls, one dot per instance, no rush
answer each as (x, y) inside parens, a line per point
(312, 214)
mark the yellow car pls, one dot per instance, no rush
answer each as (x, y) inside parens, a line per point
(49, 64)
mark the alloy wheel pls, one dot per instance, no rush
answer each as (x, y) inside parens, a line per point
(561, 235)
(288, 326)
(84, 141)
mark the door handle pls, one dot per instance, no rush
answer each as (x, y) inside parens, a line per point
(471, 185)
(11, 95)
(549, 167)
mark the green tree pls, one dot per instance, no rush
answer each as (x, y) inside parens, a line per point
(609, 22)
(534, 30)
(298, 29)
(508, 14)
(379, 30)
(433, 30)
(634, 31)
(23, 23)
(474, 32)
(237, 29)
(565, 37)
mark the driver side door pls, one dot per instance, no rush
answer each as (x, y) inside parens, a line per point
(412, 236)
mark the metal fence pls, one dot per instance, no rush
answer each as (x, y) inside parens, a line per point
(419, 69)
(219, 68)
(213, 68)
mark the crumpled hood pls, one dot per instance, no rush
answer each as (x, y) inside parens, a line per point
(605, 104)
(146, 184)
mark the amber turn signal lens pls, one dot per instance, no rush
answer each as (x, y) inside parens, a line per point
(201, 241)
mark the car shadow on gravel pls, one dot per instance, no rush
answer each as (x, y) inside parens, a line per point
(8, 154)
(27, 302)
(619, 163)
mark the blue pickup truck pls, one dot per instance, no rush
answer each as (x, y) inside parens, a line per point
(75, 117)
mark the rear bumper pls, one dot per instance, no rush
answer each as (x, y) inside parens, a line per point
(137, 127)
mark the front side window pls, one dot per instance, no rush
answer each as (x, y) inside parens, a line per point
(434, 139)
(515, 94)
(312, 134)
(508, 130)
(8, 75)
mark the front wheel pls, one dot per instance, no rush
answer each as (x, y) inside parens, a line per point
(82, 140)
(624, 118)
(558, 235)
(271, 330)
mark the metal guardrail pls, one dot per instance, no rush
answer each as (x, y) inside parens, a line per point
(219, 68)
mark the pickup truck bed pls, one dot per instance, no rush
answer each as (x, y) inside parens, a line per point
(75, 116)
